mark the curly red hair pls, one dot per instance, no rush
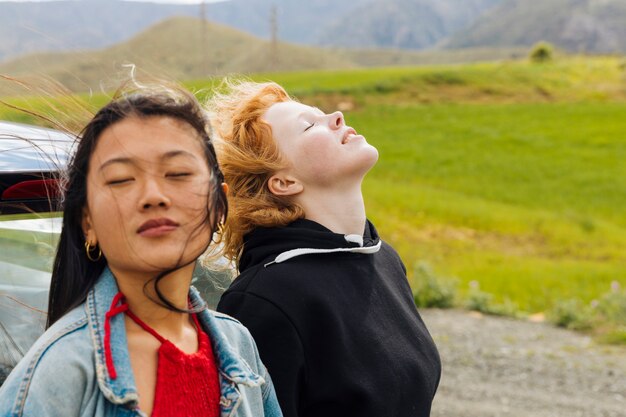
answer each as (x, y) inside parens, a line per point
(248, 157)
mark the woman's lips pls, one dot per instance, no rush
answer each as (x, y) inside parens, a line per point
(350, 135)
(157, 227)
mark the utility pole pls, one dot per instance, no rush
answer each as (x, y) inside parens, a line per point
(204, 42)
(274, 37)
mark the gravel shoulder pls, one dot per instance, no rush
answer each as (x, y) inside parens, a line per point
(494, 367)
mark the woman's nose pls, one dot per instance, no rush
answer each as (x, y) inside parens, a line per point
(153, 196)
(336, 120)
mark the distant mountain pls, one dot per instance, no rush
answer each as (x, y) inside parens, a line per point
(188, 48)
(597, 26)
(298, 21)
(87, 24)
(181, 48)
(69, 25)
(28, 27)
(414, 24)
(575, 25)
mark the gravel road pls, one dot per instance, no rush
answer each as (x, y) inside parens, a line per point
(499, 367)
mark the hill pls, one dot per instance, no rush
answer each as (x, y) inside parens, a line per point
(414, 24)
(596, 26)
(68, 25)
(298, 21)
(179, 48)
(576, 25)
(188, 48)
(29, 27)
(72, 25)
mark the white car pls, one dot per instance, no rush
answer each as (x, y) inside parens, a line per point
(30, 160)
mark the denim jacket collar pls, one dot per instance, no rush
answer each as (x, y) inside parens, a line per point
(230, 364)
(122, 390)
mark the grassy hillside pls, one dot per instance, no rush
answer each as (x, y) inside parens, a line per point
(179, 48)
(574, 25)
(506, 180)
(507, 177)
(188, 48)
(571, 79)
(523, 198)
(383, 57)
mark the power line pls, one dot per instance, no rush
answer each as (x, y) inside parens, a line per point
(274, 37)
(204, 38)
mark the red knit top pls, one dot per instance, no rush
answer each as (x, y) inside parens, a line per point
(187, 385)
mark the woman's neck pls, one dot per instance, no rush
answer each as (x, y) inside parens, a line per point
(341, 211)
(140, 298)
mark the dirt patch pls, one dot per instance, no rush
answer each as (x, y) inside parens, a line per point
(496, 367)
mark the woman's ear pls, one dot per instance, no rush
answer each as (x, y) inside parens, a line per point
(284, 185)
(88, 230)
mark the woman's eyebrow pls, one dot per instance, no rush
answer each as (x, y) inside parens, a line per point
(312, 110)
(174, 154)
(119, 160)
(131, 161)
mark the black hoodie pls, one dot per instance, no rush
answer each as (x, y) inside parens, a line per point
(335, 323)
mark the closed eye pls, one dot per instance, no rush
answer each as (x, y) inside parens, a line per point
(119, 181)
(309, 126)
(178, 174)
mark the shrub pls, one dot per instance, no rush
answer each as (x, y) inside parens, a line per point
(606, 314)
(612, 305)
(478, 300)
(571, 314)
(430, 290)
(444, 78)
(542, 52)
(615, 337)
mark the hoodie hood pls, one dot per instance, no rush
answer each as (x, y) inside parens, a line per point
(302, 237)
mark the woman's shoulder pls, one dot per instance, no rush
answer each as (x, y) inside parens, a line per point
(270, 281)
(230, 326)
(233, 338)
(226, 320)
(65, 345)
(69, 332)
(62, 341)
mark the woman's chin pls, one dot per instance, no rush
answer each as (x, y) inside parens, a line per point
(153, 266)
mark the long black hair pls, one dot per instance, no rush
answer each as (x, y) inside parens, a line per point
(73, 274)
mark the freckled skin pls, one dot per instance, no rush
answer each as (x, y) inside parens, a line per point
(312, 142)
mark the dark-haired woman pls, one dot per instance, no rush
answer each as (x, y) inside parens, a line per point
(127, 335)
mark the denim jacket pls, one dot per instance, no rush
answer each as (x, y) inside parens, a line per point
(65, 373)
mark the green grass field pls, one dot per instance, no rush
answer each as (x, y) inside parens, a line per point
(526, 199)
(508, 174)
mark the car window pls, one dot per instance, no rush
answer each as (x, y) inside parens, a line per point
(27, 246)
(31, 159)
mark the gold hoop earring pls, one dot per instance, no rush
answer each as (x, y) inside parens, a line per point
(218, 235)
(89, 249)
